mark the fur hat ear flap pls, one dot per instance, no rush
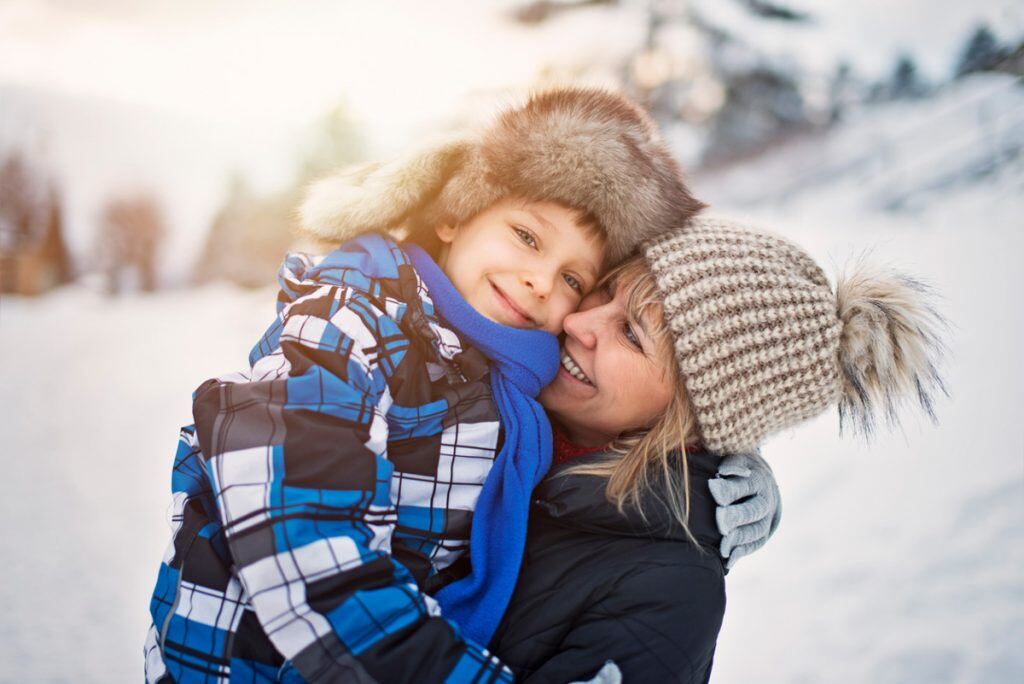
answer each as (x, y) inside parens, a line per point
(380, 196)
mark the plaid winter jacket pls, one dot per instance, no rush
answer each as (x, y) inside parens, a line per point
(319, 496)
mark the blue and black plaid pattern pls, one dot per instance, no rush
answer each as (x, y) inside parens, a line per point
(320, 494)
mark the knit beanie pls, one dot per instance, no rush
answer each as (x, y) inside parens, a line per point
(587, 149)
(762, 341)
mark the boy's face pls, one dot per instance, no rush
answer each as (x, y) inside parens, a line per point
(523, 264)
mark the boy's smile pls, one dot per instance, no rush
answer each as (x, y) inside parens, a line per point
(523, 264)
(520, 318)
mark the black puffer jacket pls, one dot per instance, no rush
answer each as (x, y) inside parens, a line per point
(596, 585)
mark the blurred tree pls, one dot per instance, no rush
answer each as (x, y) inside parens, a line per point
(251, 233)
(715, 82)
(248, 237)
(981, 53)
(542, 10)
(773, 10)
(335, 141)
(761, 99)
(59, 256)
(840, 89)
(33, 256)
(903, 83)
(19, 203)
(1013, 62)
(906, 82)
(759, 106)
(131, 230)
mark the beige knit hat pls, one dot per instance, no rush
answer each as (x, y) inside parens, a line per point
(763, 343)
(587, 149)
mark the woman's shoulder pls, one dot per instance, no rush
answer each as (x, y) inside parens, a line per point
(578, 501)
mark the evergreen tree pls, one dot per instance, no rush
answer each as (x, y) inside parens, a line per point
(981, 53)
(905, 80)
(841, 91)
(773, 10)
(334, 142)
(131, 232)
(19, 203)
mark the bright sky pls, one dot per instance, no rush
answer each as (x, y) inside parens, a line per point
(259, 63)
(401, 63)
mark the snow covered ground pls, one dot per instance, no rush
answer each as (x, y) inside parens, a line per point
(899, 561)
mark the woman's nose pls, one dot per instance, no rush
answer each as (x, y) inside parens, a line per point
(580, 326)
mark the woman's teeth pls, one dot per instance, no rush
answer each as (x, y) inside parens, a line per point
(574, 370)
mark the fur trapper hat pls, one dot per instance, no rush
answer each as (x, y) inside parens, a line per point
(763, 343)
(587, 149)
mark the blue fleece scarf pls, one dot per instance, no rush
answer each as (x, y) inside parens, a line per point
(522, 362)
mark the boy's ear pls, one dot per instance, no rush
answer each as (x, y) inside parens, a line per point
(446, 232)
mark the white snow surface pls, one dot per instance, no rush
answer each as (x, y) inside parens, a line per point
(897, 561)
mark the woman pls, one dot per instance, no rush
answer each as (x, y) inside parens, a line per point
(711, 340)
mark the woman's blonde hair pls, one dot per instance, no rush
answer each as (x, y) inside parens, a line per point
(655, 453)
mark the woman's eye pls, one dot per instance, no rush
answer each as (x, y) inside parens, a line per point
(574, 283)
(627, 330)
(525, 236)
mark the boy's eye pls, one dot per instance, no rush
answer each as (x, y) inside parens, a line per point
(526, 236)
(573, 282)
(627, 331)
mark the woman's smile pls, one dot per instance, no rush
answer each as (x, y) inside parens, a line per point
(609, 380)
(573, 370)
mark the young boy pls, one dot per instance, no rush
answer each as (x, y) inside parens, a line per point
(325, 497)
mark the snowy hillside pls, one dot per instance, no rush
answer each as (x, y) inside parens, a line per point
(896, 156)
(898, 562)
(867, 35)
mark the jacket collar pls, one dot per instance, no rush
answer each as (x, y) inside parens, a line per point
(578, 502)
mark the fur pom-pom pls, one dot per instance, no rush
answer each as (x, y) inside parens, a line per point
(890, 348)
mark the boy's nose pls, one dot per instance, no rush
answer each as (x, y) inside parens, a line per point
(539, 284)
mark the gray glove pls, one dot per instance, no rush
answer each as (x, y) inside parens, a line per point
(749, 507)
(609, 674)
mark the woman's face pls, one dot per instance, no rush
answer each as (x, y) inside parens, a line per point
(612, 379)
